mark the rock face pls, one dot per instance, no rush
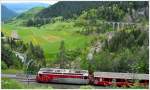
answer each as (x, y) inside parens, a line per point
(21, 56)
(15, 35)
(110, 35)
(97, 46)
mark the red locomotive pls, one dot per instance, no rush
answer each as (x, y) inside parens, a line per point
(63, 76)
(70, 76)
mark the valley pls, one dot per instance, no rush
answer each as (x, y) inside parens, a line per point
(51, 36)
(95, 36)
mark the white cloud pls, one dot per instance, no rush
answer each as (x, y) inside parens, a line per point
(28, 1)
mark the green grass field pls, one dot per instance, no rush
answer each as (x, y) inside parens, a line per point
(49, 36)
(12, 71)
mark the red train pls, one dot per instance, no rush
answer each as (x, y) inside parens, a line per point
(62, 76)
(70, 76)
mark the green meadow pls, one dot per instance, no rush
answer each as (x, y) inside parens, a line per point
(49, 36)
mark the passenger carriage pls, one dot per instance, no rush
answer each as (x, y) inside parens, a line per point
(120, 79)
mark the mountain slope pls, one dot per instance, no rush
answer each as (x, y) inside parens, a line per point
(68, 8)
(30, 13)
(7, 14)
(23, 18)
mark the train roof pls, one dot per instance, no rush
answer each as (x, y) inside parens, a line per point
(121, 75)
(55, 70)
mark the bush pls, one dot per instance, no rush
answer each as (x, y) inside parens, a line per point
(86, 87)
(4, 66)
(137, 86)
(37, 86)
(10, 84)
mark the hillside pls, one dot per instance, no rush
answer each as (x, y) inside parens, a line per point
(30, 13)
(107, 11)
(68, 8)
(7, 14)
(23, 18)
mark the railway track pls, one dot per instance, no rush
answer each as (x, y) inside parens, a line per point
(20, 77)
(33, 83)
(28, 80)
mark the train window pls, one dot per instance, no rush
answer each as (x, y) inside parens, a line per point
(50, 70)
(40, 75)
(85, 77)
(77, 72)
(118, 80)
(95, 77)
(83, 71)
(58, 71)
(45, 72)
(106, 79)
(121, 80)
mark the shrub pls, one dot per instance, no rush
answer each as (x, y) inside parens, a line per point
(4, 66)
(86, 87)
(10, 84)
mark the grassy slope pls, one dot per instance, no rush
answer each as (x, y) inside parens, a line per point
(24, 17)
(49, 36)
(30, 13)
